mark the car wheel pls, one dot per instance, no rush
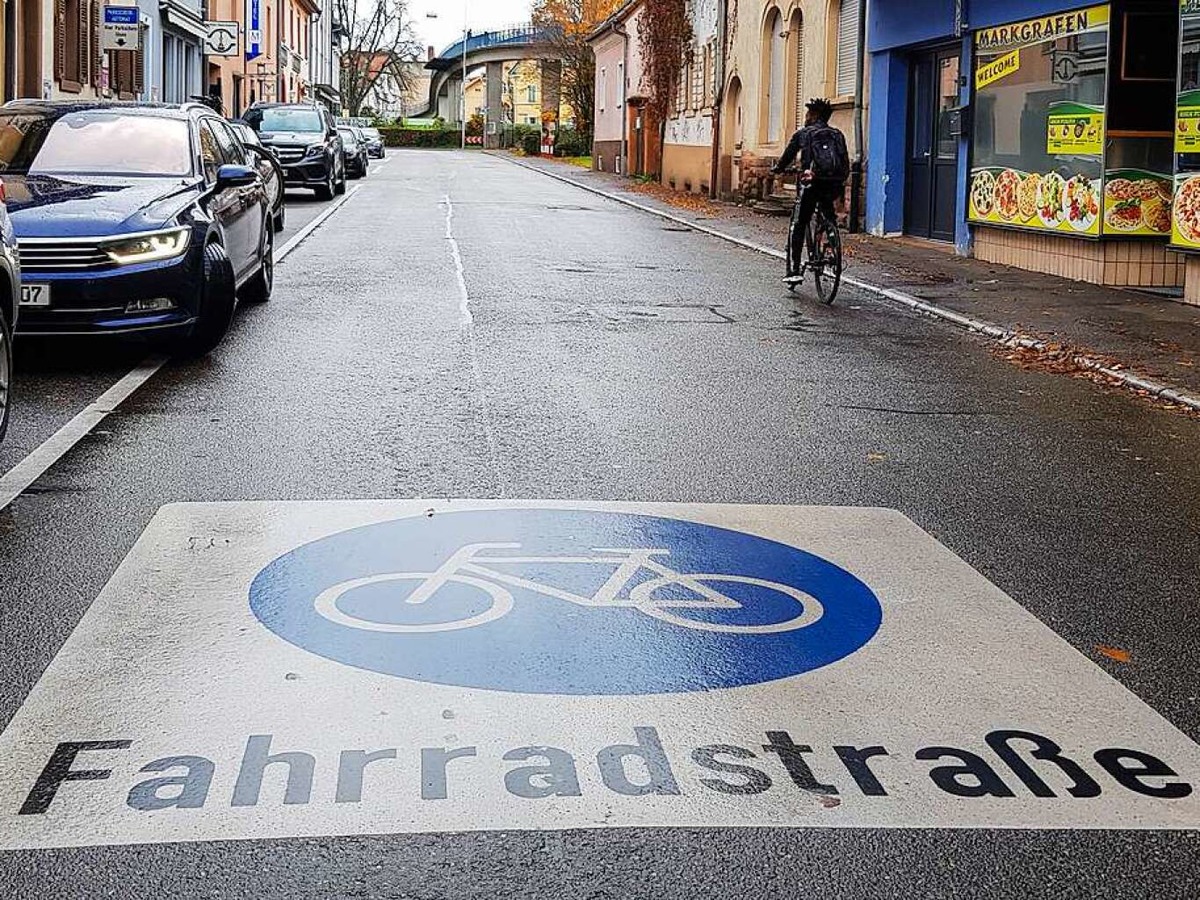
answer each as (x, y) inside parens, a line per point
(326, 191)
(218, 301)
(6, 374)
(258, 289)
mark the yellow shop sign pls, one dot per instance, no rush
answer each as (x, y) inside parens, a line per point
(997, 69)
(1048, 28)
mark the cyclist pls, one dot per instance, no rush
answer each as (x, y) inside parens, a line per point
(824, 166)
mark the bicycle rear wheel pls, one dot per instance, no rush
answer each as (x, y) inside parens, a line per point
(825, 254)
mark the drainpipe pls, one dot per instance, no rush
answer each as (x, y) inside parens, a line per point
(718, 95)
(856, 168)
(619, 28)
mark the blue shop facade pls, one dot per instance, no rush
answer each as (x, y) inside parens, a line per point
(1043, 134)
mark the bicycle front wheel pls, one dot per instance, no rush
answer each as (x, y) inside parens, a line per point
(826, 246)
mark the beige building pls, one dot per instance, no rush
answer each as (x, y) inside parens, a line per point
(781, 53)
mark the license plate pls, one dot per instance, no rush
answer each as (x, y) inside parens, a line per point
(35, 295)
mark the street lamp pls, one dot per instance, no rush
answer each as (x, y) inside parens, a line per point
(466, 39)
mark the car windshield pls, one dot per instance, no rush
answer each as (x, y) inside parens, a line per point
(291, 118)
(96, 142)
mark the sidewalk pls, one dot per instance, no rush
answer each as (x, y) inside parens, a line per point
(1150, 336)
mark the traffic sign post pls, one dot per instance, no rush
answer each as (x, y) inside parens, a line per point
(121, 29)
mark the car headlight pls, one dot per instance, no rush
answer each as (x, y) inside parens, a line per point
(149, 247)
(316, 151)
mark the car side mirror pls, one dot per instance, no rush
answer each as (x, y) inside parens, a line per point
(235, 176)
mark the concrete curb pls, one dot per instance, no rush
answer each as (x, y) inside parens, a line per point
(997, 333)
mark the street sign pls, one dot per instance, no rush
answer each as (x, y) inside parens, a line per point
(254, 36)
(222, 39)
(275, 670)
(121, 29)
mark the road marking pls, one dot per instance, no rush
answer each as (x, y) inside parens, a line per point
(20, 477)
(276, 670)
(299, 237)
(24, 474)
(467, 323)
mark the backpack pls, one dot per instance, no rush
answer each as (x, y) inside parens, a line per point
(830, 159)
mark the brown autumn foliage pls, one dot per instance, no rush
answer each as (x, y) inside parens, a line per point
(666, 41)
(568, 24)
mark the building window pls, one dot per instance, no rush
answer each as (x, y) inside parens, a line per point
(71, 43)
(775, 54)
(797, 62)
(531, 93)
(846, 51)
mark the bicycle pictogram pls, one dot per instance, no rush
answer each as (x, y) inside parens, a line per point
(667, 595)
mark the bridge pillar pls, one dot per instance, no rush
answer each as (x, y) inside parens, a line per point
(551, 101)
(494, 124)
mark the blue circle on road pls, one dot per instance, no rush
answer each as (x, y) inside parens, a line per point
(563, 601)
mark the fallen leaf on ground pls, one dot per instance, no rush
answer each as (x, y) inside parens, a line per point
(1114, 653)
(876, 457)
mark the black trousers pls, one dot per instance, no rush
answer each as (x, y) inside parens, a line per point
(806, 205)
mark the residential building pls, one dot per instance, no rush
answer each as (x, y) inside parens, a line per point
(522, 92)
(627, 139)
(688, 137)
(21, 30)
(780, 54)
(324, 55)
(250, 75)
(177, 65)
(389, 95)
(295, 19)
(476, 94)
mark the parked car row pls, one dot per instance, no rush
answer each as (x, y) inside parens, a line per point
(152, 220)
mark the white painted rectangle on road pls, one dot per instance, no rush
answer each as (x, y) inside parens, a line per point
(266, 670)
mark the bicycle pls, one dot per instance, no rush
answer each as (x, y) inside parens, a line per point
(824, 244)
(623, 589)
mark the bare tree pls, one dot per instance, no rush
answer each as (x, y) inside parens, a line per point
(567, 24)
(377, 38)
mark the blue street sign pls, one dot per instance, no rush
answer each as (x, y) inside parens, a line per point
(254, 32)
(120, 15)
(566, 601)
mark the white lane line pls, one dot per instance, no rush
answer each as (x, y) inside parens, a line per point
(467, 324)
(464, 304)
(299, 237)
(19, 478)
(24, 474)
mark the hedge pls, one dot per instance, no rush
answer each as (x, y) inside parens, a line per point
(413, 137)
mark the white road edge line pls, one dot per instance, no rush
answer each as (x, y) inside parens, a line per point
(24, 474)
(299, 237)
(997, 333)
(20, 477)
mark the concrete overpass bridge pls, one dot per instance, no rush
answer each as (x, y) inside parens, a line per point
(492, 49)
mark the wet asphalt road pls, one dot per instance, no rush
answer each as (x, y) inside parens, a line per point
(605, 354)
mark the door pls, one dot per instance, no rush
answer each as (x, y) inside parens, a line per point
(930, 203)
(227, 206)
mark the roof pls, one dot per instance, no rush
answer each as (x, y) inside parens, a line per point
(622, 12)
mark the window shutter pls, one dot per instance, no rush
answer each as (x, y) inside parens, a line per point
(139, 66)
(60, 38)
(847, 48)
(89, 41)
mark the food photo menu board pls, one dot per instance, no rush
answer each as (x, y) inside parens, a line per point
(1185, 230)
(1039, 127)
